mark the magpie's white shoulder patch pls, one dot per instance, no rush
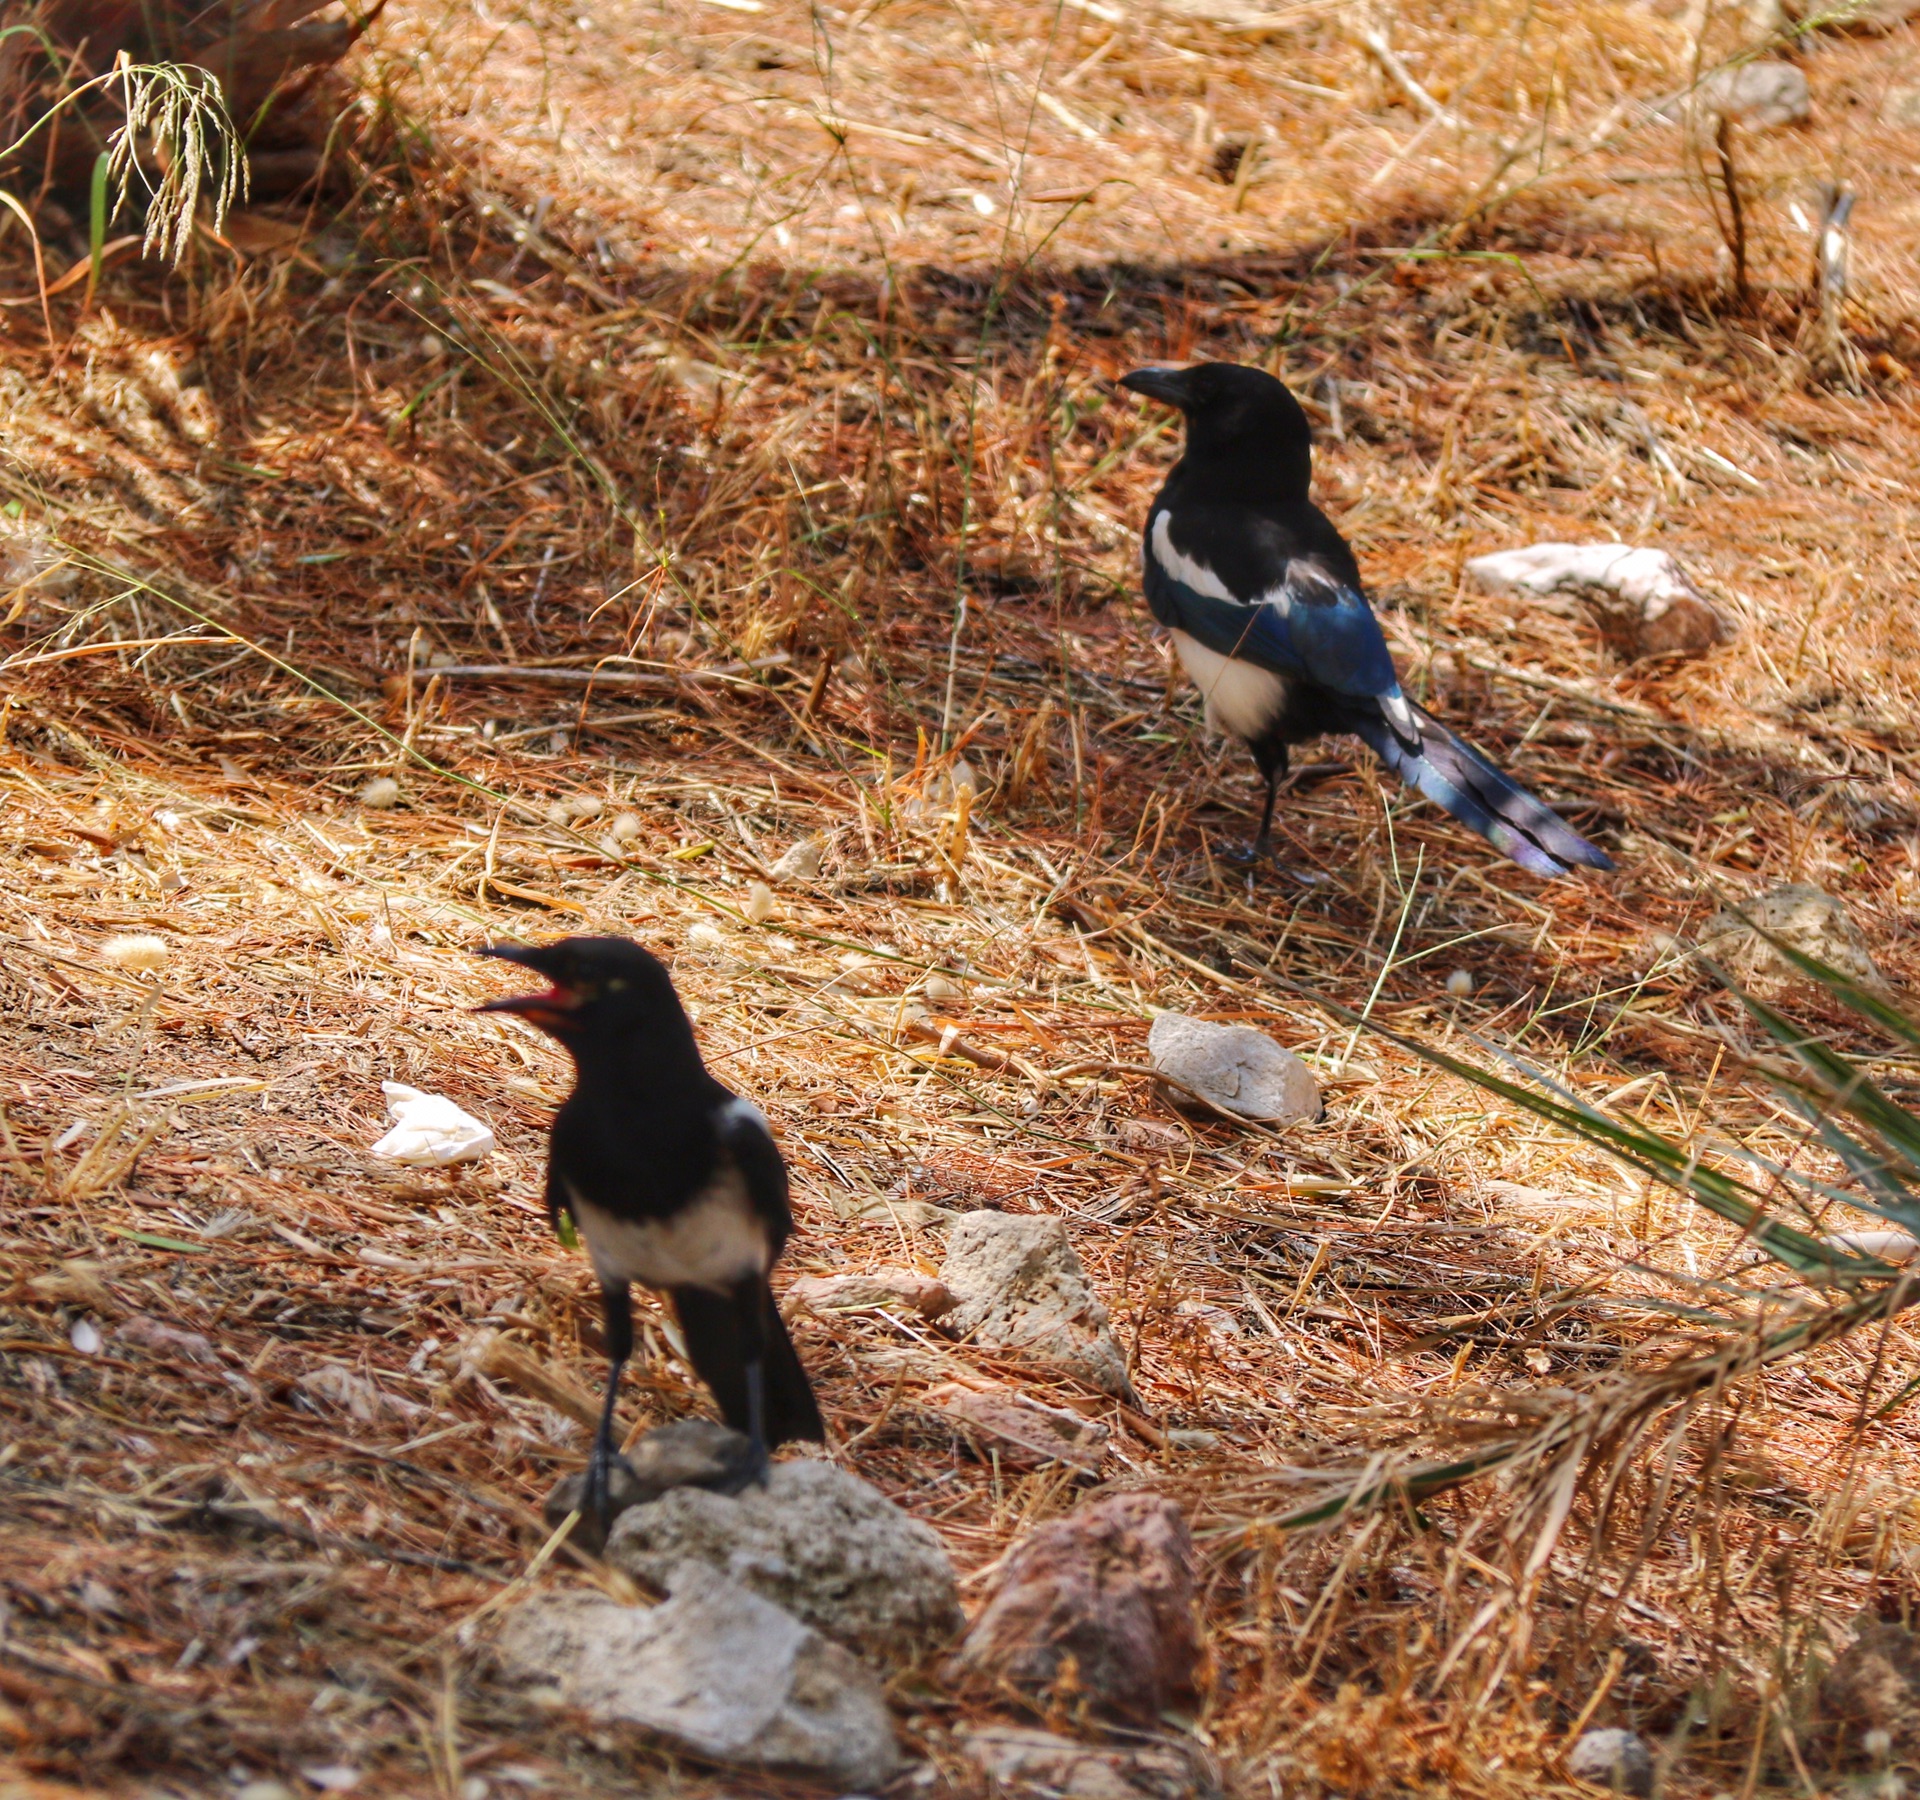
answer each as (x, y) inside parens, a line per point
(1400, 715)
(1182, 567)
(737, 1112)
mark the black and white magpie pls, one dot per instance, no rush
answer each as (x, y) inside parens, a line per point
(671, 1180)
(1265, 604)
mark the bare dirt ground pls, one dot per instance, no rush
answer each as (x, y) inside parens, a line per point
(758, 362)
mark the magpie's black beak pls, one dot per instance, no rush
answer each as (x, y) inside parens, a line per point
(545, 1009)
(1169, 385)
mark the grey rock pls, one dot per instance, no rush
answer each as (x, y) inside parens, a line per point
(1764, 95)
(1809, 919)
(1612, 1758)
(1239, 1069)
(1019, 1286)
(1021, 1760)
(815, 1540)
(723, 1671)
(688, 1453)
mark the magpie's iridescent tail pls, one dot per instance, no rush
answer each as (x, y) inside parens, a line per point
(1453, 774)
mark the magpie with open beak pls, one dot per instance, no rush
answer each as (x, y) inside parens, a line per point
(1267, 611)
(670, 1180)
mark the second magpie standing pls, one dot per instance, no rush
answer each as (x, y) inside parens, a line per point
(1267, 612)
(672, 1181)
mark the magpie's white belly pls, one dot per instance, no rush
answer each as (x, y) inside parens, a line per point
(1242, 698)
(712, 1242)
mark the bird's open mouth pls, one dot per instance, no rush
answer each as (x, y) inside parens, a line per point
(546, 1009)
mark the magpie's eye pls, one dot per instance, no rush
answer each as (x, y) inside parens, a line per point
(618, 985)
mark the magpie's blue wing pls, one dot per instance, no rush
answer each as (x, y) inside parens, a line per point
(1300, 621)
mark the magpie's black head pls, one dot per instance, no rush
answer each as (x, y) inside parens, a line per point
(603, 989)
(1236, 416)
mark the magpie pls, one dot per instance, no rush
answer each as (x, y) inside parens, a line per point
(670, 1179)
(1267, 611)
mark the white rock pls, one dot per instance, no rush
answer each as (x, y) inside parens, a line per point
(380, 794)
(896, 1290)
(1805, 917)
(801, 862)
(1764, 95)
(823, 1544)
(1018, 1285)
(1894, 1247)
(726, 1672)
(429, 1131)
(1236, 1067)
(1645, 602)
(1613, 1758)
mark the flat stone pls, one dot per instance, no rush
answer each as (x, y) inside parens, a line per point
(1019, 1286)
(1019, 1433)
(688, 1453)
(1640, 597)
(892, 1290)
(1239, 1069)
(1024, 1760)
(722, 1670)
(1809, 919)
(823, 1544)
(1762, 95)
(1093, 1610)
(1614, 1759)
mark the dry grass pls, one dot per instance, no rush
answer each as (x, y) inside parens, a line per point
(759, 360)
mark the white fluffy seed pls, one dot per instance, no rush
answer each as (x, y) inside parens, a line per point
(943, 987)
(963, 778)
(627, 827)
(800, 863)
(144, 955)
(704, 935)
(759, 907)
(1460, 984)
(380, 793)
(587, 806)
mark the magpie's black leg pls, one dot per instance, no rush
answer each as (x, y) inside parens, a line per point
(748, 1298)
(597, 1498)
(1272, 761)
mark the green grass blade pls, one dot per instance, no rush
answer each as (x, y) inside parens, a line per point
(97, 210)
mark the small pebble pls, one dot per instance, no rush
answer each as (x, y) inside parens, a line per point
(85, 1337)
(760, 905)
(143, 955)
(1460, 984)
(381, 793)
(627, 827)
